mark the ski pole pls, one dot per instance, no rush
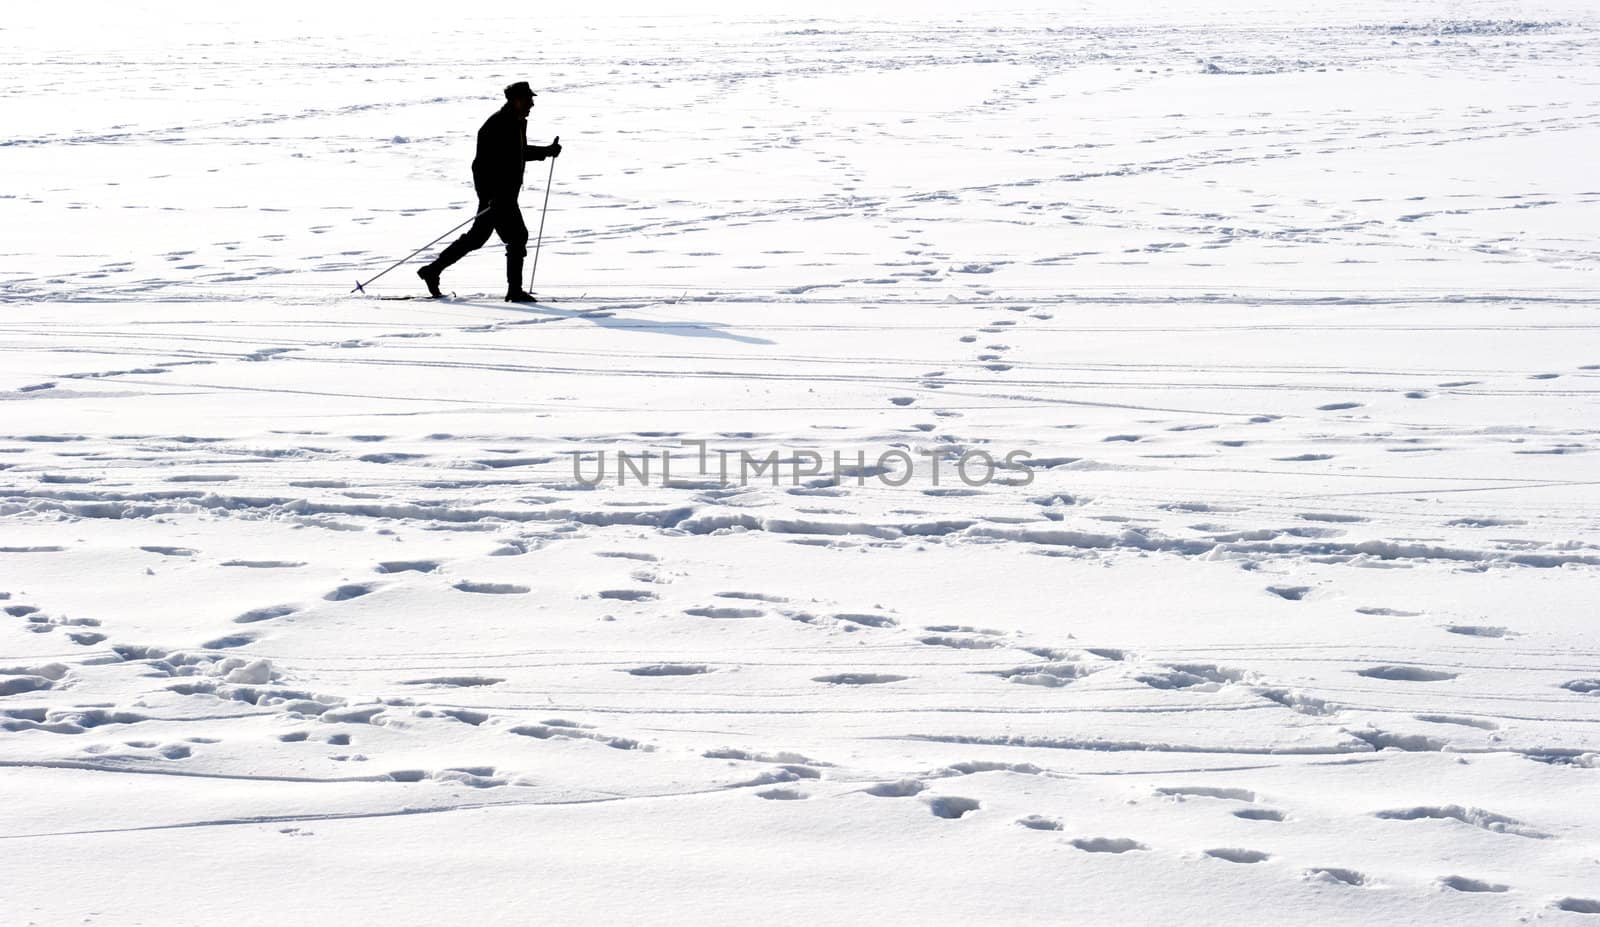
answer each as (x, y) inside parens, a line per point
(551, 179)
(362, 287)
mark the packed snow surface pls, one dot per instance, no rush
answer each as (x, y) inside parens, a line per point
(1097, 465)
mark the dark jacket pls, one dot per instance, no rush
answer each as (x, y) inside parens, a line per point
(503, 149)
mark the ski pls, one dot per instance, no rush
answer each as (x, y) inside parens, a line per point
(452, 298)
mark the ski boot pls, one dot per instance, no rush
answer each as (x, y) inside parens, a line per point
(431, 278)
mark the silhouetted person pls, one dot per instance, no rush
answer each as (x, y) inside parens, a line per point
(503, 150)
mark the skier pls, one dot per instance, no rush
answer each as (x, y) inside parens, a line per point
(503, 150)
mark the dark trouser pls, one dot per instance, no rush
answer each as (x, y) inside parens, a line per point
(504, 218)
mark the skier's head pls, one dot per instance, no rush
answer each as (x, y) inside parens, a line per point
(520, 97)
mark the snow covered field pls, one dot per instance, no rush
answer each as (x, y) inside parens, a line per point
(324, 608)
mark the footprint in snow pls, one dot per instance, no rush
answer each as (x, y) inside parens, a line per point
(474, 777)
(1332, 518)
(860, 679)
(1405, 674)
(1482, 522)
(751, 596)
(348, 592)
(1336, 875)
(974, 767)
(952, 808)
(1259, 814)
(21, 684)
(1048, 675)
(1236, 855)
(1208, 792)
(265, 614)
(903, 788)
(466, 716)
(724, 613)
(1191, 675)
(1409, 743)
(1464, 884)
(492, 588)
(871, 621)
(669, 669)
(781, 757)
(1481, 724)
(563, 730)
(1474, 630)
(1107, 844)
(960, 643)
(628, 595)
(1476, 817)
(229, 642)
(408, 566)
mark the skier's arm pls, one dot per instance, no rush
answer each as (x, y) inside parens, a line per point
(540, 152)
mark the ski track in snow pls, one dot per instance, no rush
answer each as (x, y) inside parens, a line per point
(1291, 598)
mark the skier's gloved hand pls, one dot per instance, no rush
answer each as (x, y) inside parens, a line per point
(553, 149)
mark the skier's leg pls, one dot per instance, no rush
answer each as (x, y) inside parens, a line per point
(474, 239)
(466, 244)
(514, 232)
